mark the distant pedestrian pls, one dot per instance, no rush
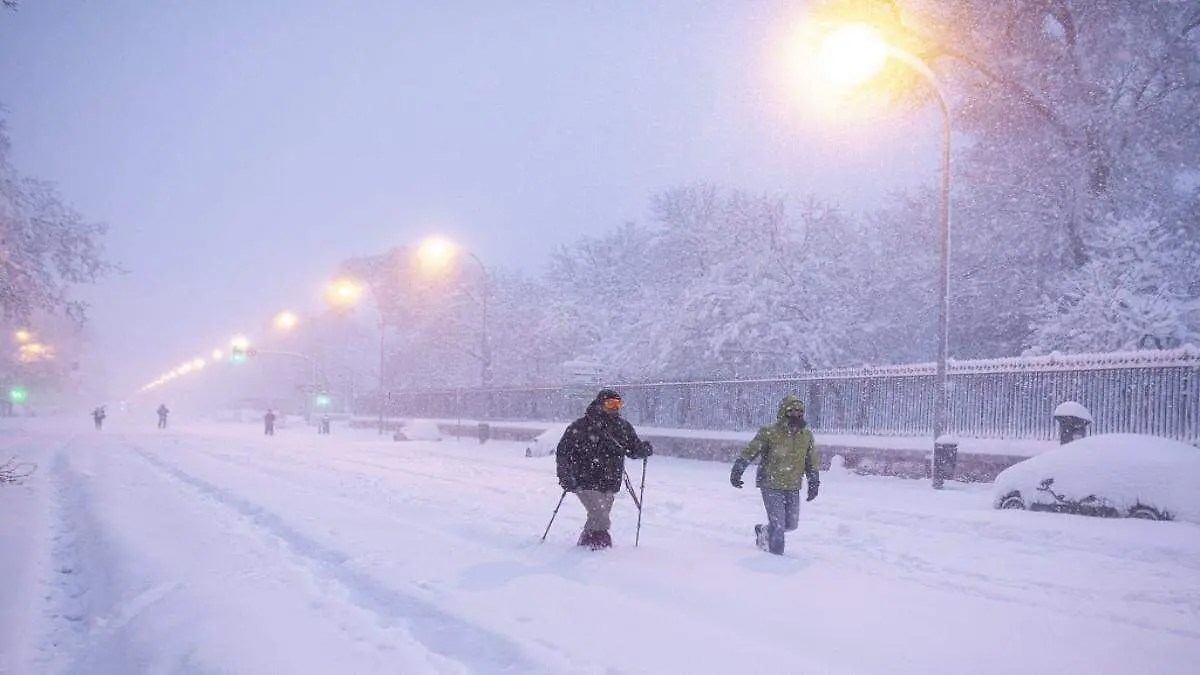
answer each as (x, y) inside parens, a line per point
(591, 462)
(786, 453)
(98, 416)
(269, 423)
(162, 416)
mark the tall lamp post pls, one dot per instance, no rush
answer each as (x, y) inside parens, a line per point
(436, 253)
(851, 54)
(345, 293)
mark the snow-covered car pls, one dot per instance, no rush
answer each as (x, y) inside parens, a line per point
(546, 442)
(1110, 476)
(419, 430)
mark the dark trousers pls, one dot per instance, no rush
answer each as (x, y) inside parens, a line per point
(783, 515)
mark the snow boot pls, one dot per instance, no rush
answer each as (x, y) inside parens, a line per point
(602, 539)
(760, 537)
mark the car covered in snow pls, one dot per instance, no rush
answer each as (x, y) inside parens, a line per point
(546, 442)
(1109, 476)
(419, 430)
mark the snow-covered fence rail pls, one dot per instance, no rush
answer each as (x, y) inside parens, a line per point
(1155, 392)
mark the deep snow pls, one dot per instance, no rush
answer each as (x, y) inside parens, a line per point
(211, 548)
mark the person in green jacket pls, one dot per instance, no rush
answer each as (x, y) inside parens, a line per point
(786, 454)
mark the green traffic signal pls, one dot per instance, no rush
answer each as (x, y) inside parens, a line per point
(237, 356)
(18, 394)
(323, 400)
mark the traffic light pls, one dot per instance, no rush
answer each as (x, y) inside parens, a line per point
(239, 355)
(18, 394)
(323, 400)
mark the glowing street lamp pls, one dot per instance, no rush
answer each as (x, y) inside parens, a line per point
(22, 336)
(217, 354)
(239, 342)
(34, 351)
(286, 320)
(436, 252)
(343, 293)
(850, 55)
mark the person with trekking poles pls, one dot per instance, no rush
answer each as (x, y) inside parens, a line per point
(591, 463)
(786, 454)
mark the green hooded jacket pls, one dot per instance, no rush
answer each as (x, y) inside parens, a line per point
(785, 456)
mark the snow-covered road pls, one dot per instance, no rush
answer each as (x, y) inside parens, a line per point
(213, 549)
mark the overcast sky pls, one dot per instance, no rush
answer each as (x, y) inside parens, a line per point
(240, 148)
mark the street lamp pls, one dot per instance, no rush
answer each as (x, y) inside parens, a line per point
(850, 55)
(286, 321)
(436, 253)
(343, 294)
(22, 336)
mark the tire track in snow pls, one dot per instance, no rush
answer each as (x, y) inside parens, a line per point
(454, 638)
(80, 607)
(68, 601)
(382, 497)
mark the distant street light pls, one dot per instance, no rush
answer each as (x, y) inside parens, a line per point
(239, 342)
(22, 336)
(342, 294)
(286, 320)
(850, 55)
(217, 355)
(34, 351)
(436, 253)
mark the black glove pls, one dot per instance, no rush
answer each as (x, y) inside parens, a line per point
(735, 475)
(813, 487)
(643, 450)
(568, 484)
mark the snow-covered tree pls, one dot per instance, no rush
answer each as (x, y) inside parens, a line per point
(1075, 112)
(46, 247)
(1125, 297)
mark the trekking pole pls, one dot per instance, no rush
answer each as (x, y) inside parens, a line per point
(629, 486)
(552, 516)
(638, 536)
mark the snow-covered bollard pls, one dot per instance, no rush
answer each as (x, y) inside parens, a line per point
(1073, 419)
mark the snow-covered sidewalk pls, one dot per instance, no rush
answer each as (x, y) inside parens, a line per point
(213, 549)
(1007, 447)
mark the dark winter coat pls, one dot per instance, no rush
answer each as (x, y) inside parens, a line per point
(591, 454)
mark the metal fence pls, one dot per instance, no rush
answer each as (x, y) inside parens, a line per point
(1151, 392)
